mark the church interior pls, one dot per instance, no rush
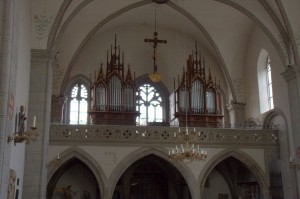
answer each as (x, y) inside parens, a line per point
(150, 99)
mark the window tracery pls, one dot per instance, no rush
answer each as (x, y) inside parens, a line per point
(78, 104)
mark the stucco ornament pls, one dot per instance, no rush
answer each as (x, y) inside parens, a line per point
(41, 23)
(238, 84)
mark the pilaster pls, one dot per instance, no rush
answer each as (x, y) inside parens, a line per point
(236, 113)
(292, 77)
(35, 174)
(6, 28)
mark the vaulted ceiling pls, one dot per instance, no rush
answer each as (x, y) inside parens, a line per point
(222, 27)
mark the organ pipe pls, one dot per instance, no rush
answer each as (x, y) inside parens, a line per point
(112, 90)
(201, 92)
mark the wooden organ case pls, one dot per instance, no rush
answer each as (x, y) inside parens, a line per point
(113, 98)
(197, 100)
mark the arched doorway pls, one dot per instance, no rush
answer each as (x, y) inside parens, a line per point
(151, 178)
(231, 179)
(73, 180)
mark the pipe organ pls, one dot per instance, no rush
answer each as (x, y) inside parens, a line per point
(197, 100)
(113, 99)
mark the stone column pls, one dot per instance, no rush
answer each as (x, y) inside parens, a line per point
(6, 29)
(236, 114)
(292, 77)
(35, 174)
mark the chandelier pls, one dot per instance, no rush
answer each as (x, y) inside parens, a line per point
(187, 152)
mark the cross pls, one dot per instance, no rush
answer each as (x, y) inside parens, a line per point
(155, 42)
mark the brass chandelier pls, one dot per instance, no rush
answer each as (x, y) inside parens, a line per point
(187, 152)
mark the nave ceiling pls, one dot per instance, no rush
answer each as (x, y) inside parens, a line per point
(223, 30)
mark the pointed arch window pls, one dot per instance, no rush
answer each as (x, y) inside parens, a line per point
(149, 104)
(78, 104)
(269, 83)
(265, 84)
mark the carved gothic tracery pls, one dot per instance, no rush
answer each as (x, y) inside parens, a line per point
(113, 92)
(197, 99)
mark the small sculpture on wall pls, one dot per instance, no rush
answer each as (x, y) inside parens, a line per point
(68, 192)
(22, 118)
(20, 134)
(86, 195)
(11, 184)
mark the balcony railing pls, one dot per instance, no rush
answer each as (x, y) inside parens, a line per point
(62, 134)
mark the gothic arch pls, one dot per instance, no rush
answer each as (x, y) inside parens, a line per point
(286, 151)
(161, 87)
(143, 152)
(71, 154)
(52, 44)
(72, 81)
(116, 14)
(249, 163)
(270, 115)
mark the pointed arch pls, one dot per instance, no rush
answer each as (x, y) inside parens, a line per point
(68, 157)
(278, 162)
(74, 80)
(161, 90)
(77, 98)
(264, 79)
(248, 162)
(270, 115)
(53, 43)
(143, 152)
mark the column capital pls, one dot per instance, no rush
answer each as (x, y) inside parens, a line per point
(236, 112)
(40, 55)
(235, 105)
(291, 72)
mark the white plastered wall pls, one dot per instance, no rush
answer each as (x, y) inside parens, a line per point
(257, 42)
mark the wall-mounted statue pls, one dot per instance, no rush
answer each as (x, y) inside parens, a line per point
(11, 184)
(22, 118)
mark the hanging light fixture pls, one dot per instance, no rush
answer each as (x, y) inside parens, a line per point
(187, 152)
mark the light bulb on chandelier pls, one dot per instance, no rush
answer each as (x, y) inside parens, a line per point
(187, 152)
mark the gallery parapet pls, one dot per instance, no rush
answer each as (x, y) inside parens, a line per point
(61, 134)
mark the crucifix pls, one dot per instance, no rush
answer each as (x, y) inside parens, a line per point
(155, 41)
(155, 77)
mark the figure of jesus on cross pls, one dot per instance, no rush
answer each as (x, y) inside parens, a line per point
(154, 42)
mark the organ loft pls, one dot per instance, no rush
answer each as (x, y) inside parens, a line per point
(113, 97)
(195, 102)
